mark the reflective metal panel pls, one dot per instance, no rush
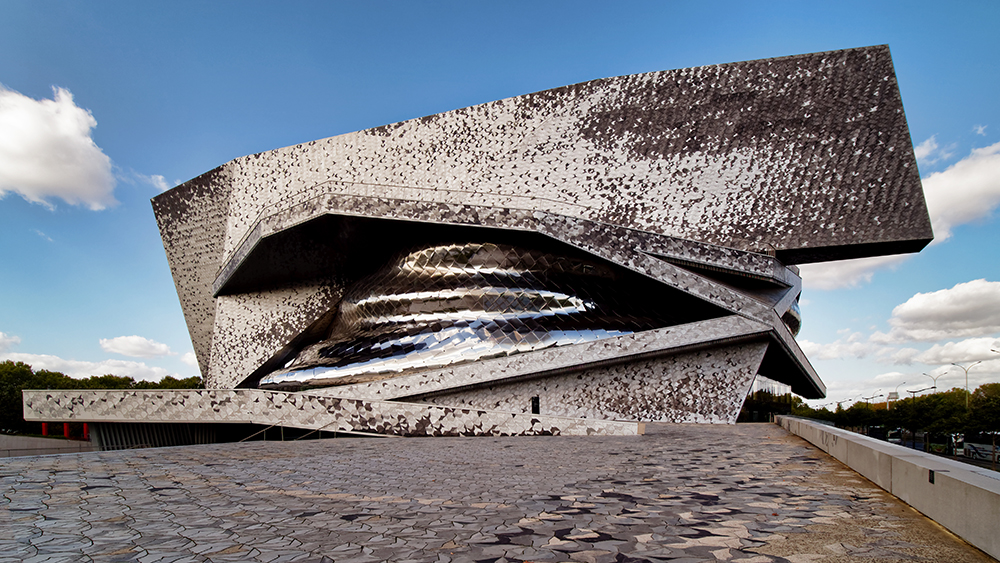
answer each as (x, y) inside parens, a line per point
(463, 302)
(793, 318)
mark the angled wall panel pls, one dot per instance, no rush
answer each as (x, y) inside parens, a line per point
(192, 219)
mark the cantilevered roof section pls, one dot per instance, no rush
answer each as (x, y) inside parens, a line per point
(807, 156)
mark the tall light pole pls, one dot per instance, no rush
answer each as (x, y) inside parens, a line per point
(913, 405)
(866, 399)
(841, 403)
(935, 377)
(913, 394)
(966, 370)
(855, 398)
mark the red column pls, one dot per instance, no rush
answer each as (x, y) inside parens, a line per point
(45, 429)
(86, 432)
(65, 430)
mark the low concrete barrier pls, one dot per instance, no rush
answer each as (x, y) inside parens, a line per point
(963, 498)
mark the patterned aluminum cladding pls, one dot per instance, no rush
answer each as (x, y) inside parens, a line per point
(705, 386)
(808, 156)
(300, 410)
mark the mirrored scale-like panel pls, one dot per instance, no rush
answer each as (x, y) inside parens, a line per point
(451, 303)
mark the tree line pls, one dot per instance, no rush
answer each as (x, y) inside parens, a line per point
(941, 413)
(15, 376)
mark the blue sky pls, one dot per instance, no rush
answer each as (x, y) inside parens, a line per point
(179, 88)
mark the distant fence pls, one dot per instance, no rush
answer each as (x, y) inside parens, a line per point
(963, 498)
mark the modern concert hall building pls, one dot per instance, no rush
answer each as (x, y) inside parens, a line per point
(577, 260)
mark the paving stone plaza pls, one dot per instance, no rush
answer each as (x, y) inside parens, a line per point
(680, 493)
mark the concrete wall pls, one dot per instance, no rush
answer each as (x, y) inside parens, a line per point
(13, 446)
(963, 498)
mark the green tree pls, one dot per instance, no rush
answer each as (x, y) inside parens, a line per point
(944, 413)
(169, 382)
(984, 406)
(13, 378)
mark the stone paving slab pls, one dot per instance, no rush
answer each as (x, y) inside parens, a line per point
(680, 493)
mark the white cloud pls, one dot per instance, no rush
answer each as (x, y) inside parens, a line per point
(891, 378)
(967, 191)
(8, 340)
(979, 130)
(854, 345)
(80, 369)
(43, 235)
(903, 356)
(46, 151)
(846, 273)
(159, 182)
(966, 310)
(190, 359)
(926, 148)
(155, 180)
(928, 152)
(968, 350)
(135, 346)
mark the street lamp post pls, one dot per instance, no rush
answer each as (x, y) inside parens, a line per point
(867, 428)
(854, 398)
(966, 370)
(935, 377)
(913, 400)
(873, 396)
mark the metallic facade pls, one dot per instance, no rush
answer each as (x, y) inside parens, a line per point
(455, 303)
(621, 249)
